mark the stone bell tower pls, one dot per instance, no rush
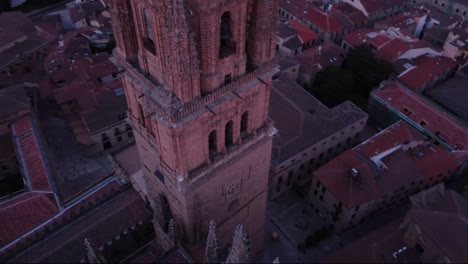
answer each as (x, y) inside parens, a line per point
(197, 80)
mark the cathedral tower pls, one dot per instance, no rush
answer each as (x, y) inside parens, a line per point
(197, 78)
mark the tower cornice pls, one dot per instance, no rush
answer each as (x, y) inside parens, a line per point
(175, 113)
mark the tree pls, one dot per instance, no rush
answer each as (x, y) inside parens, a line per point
(332, 85)
(360, 73)
(367, 70)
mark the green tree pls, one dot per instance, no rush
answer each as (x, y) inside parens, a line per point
(332, 85)
(360, 73)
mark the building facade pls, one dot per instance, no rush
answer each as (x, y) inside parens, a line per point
(378, 174)
(198, 79)
(299, 147)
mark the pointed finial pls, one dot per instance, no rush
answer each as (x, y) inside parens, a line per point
(240, 249)
(211, 250)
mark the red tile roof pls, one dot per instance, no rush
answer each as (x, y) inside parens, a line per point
(406, 20)
(384, 175)
(305, 33)
(370, 36)
(416, 108)
(99, 225)
(390, 44)
(23, 213)
(323, 20)
(317, 58)
(297, 8)
(31, 153)
(375, 6)
(376, 247)
(353, 15)
(426, 69)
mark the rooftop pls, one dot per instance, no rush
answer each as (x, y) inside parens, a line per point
(393, 159)
(452, 94)
(352, 15)
(407, 20)
(128, 159)
(315, 59)
(430, 211)
(375, 6)
(302, 120)
(379, 38)
(13, 100)
(99, 225)
(17, 36)
(324, 20)
(23, 213)
(297, 8)
(424, 69)
(85, 9)
(435, 208)
(305, 33)
(418, 109)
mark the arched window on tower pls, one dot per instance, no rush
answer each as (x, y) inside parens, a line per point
(228, 135)
(212, 143)
(148, 41)
(227, 45)
(244, 123)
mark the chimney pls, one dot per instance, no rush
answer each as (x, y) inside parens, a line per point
(325, 7)
(354, 173)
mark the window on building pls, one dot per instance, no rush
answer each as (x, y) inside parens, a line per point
(289, 178)
(106, 144)
(141, 114)
(227, 79)
(148, 41)
(212, 148)
(278, 185)
(244, 122)
(129, 130)
(118, 134)
(228, 134)
(227, 46)
(419, 249)
(122, 116)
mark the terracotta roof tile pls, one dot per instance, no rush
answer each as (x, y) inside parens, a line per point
(305, 33)
(23, 213)
(398, 168)
(31, 154)
(427, 69)
(415, 107)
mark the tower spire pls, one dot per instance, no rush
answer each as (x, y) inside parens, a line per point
(211, 250)
(240, 249)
